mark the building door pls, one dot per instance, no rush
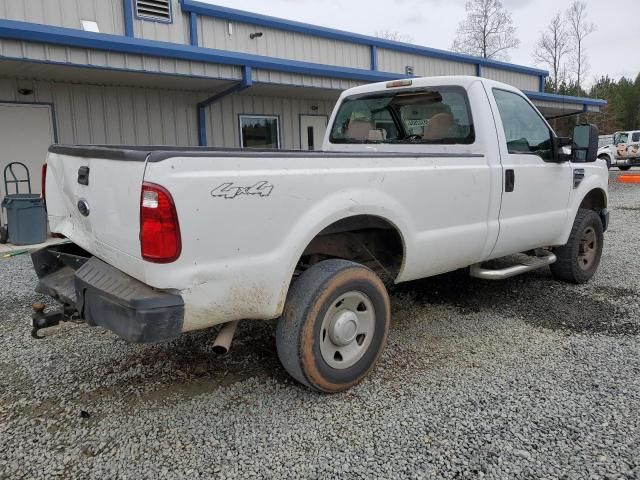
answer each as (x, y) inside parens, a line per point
(312, 130)
(26, 131)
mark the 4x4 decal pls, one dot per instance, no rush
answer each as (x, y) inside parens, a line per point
(228, 190)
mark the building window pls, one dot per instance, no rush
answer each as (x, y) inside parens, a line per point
(156, 10)
(259, 131)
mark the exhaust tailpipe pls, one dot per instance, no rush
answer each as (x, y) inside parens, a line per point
(223, 341)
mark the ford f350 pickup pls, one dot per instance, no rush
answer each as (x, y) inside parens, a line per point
(416, 177)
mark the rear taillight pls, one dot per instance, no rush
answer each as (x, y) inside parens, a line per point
(43, 187)
(159, 229)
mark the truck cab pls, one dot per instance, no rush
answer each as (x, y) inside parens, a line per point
(624, 151)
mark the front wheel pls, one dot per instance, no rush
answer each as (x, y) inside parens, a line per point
(334, 326)
(624, 168)
(578, 260)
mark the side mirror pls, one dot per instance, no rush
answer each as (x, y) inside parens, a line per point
(585, 143)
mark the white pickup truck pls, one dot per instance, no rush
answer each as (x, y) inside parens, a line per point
(623, 152)
(416, 178)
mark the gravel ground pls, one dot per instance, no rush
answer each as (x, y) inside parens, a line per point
(527, 378)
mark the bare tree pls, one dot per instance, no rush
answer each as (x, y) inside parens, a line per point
(579, 29)
(487, 32)
(394, 35)
(552, 47)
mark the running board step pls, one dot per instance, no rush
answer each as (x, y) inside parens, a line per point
(526, 265)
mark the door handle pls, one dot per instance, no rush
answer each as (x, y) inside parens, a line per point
(83, 175)
(509, 180)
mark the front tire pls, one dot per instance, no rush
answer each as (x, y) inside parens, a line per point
(578, 260)
(334, 326)
(624, 168)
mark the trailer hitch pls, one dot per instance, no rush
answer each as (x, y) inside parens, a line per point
(40, 319)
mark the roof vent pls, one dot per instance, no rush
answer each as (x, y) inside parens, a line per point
(159, 10)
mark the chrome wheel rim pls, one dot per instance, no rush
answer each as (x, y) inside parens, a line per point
(347, 330)
(588, 248)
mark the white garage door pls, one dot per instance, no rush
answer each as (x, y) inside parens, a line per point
(26, 131)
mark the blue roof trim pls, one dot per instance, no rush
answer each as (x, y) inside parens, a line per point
(554, 97)
(306, 28)
(32, 32)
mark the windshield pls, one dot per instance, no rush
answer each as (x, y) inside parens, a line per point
(438, 115)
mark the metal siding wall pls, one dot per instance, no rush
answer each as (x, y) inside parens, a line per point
(267, 76)
(83, 57)
(395, 62)
(223, 124)
(213, 33)
(116, 115)
(518, 80)
(66, 13)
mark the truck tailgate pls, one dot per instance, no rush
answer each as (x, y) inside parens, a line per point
(93, 198)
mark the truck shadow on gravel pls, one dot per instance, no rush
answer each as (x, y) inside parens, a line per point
(536, 298)
(187, 367)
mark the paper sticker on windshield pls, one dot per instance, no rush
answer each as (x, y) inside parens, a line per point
(229, 190)
(417, 123)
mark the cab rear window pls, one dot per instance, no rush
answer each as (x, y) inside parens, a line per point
(437, 115)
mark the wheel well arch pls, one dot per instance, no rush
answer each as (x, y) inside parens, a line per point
(595, 200)
(371, 240)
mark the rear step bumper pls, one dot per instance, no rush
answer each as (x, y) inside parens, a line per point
(104, 296)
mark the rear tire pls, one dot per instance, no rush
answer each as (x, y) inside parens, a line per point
(624, 168)
(606, 159)
(4, 235)
(578, 260)
(334, 325)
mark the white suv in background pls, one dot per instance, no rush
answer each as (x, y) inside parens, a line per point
(624, 152)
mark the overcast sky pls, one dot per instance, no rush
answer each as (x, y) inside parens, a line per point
(612, 48)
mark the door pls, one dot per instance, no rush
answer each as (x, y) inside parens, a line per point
(627, 145)
(312, 130)
(26, 131)
(620, 143)
(535, 188)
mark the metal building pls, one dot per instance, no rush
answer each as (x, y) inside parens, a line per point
(183, 72)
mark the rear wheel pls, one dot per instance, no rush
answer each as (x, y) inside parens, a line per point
(334, 326)
(624, 168)
(4, 234)
(578, 260)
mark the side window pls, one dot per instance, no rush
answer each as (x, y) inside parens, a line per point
(621, 138)
(635, 137)
(434, 115)
(525, 130)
